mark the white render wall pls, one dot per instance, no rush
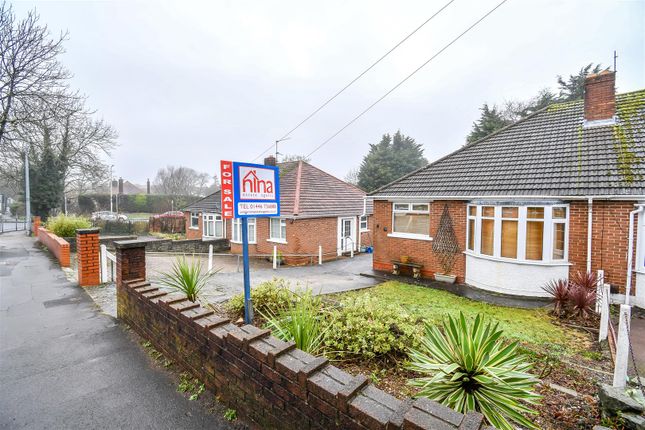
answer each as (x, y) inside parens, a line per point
(520, 279)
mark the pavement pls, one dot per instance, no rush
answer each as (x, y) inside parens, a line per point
(637, 335)
(65, 365)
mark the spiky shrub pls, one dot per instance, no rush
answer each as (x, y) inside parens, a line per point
(188, 277)
(582, 301)
(66, 225)
(470, 368)
(586, 280)
(558, 289)
(302, 321)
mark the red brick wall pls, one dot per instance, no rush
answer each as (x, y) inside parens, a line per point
(35, 225)
(610, 231)
(87, 248)
(303, 237)
(387, 248)
(56, 245)
(270, 383)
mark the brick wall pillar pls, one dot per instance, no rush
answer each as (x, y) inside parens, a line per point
(87, 248)
(35, 224)
(130, 265)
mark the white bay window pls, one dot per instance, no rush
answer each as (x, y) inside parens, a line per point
(237, 230)
(530, 233)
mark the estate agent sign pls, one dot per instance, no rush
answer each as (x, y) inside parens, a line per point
(249, 191)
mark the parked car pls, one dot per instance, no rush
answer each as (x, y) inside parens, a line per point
(170, 214)
(108, 216)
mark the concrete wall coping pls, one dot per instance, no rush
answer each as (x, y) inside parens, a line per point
(93, 230)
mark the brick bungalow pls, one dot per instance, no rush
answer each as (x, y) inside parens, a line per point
(538, 200)
(316, 209)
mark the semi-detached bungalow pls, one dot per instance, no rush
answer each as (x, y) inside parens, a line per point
(538, 200)
(317, 209)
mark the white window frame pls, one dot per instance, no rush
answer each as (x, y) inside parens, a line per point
(409, 209)
(216, 219)
(547, 238)
(194, 216)
(640, 247)
(237, 230)
(277, 238)
(363, 219)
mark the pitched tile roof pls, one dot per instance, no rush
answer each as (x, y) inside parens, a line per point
(550, 153)
(305, 192)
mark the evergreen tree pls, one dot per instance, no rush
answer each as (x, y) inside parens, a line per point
(388, 160)
(46, 178)
(573, 88)
(489, 122)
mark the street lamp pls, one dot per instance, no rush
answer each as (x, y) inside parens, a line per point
(27, 194)
(111, 166)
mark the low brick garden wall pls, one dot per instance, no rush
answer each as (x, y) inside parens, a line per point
(56, 245)
(186, 246)
(267, 381)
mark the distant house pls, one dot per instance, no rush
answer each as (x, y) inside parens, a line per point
(317, 209)
(538, 200)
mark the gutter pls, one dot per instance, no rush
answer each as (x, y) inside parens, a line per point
(589, 231)
(630, 250)
(512, 197)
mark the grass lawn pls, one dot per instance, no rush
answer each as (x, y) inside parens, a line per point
(138, 215)
(532, 327)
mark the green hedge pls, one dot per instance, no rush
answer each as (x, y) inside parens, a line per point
(150, 203)
(66, 225)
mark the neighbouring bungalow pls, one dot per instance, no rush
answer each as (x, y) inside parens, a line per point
(539, 200)
(317, 209)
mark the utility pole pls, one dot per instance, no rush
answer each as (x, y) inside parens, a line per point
(27, 194)
(111, 166)
(276, 147)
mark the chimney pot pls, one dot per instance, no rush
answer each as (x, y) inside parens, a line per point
(270, 161)
(600, 96)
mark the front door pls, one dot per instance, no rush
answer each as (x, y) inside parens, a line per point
(346, 235)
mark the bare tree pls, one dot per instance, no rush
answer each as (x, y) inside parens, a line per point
(352, 177)
(176, 181)
(30, 73)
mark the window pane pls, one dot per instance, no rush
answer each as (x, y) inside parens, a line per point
(471, 234)
(219, 229)
(412, 223)
(558, 241)
(423, 208)
(472, 210)
(559, 213)
(401, 206)
(488, 211)
(283, 230)
(534, 235)
(488, 227)
(509, 212)
(509, 239)
(537, 213)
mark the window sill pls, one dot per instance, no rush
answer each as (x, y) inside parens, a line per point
(239, 243)
(409, 236)
(521, 262)
(280, 241)
(207, 238)
(365, 231)
(193, 228)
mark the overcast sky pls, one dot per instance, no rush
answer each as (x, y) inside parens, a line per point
(190, 83)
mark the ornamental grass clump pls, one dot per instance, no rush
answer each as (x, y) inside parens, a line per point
(471, 369)
(188, 277)
(302, 321)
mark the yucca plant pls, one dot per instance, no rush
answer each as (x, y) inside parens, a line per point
(582, 301)
(559, 290)
(188, 277)
(302, 321)
(586, 280)
(471, 369)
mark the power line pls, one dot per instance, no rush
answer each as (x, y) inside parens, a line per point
(406, 78)
(357, 77)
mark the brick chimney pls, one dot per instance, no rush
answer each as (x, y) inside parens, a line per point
(148, 186)
(270, 161)
(120, 185)
(600, 96)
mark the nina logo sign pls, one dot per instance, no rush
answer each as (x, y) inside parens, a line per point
(257, 183)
